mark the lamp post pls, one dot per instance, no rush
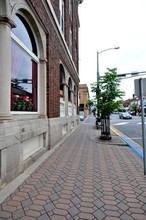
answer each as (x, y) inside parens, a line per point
(98, 75)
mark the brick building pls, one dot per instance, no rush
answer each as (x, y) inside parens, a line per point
(38, 79)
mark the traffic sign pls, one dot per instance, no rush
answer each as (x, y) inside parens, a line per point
(137, 87)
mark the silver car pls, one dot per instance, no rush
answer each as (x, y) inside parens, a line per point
(125, 115)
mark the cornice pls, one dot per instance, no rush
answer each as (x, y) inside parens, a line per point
(7, 21)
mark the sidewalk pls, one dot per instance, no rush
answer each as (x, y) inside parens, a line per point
(84, 178)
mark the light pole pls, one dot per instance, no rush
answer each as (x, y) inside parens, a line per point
(98, 75)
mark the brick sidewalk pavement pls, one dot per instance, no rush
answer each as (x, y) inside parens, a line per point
(84, 178)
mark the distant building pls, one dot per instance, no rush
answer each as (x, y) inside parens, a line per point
(39, 79)
(136, 100)
(83, 97)
(128, 103)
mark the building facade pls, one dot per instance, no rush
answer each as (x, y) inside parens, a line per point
(38, 79)
(83, 97)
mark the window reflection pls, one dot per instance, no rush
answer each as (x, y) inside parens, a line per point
(23, 80)
(21, 32)
(23, 69)
(24, 33)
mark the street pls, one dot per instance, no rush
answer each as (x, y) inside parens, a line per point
(132, 128)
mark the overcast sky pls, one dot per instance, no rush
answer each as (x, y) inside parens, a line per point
(106, 24)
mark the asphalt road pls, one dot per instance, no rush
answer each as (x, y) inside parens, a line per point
(132, 128)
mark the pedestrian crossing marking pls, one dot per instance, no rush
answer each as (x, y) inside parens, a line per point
(139, 123)
(121, 123)
(124, 123)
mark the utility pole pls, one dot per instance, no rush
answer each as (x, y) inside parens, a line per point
(140, 90)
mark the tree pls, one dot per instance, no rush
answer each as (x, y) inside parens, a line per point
(108, 98)
(90, 103)
(134, 108)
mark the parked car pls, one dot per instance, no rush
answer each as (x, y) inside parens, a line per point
(81, 118)
(125, 115)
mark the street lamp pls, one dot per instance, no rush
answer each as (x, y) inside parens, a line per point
(98, 75)
(112, 48)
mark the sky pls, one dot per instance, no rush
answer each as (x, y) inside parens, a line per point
(107, 24)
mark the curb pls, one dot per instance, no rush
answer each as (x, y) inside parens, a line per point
(138, 152)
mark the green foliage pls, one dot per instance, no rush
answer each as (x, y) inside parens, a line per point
(107, 92)
(94, 110)
(90, 102)
(22, 105)
(134, 106)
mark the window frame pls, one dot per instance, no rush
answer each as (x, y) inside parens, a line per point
(70, 9)
(62, 15)
(16, 40)
(70, 40)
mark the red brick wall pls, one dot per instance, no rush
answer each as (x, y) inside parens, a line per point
(75, 35)
(55, 5)
(69, 22)
(55, 52)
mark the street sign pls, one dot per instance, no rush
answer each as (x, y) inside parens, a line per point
(137, 86)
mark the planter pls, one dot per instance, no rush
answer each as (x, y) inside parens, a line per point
(105, 128)
(22, 105)
(61, 94)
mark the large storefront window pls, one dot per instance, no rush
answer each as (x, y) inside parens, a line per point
(23, 68)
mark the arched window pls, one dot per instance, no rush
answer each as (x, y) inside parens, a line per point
(62, 80)
(75, 95)
(69, 89)
(61, 77)
(23, 67)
